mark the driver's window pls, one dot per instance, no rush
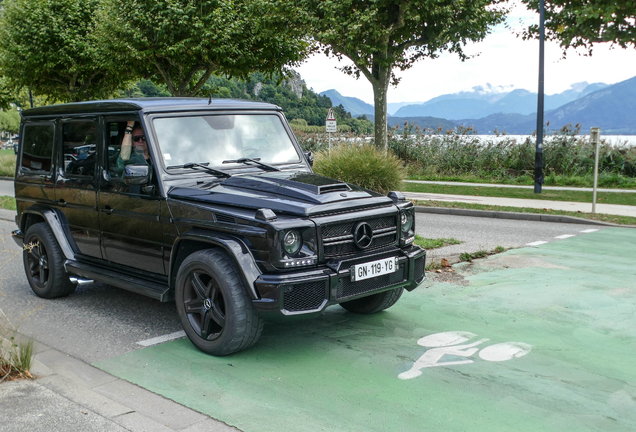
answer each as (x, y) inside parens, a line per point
(123, 149)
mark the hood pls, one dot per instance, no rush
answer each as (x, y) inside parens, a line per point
(298, 193)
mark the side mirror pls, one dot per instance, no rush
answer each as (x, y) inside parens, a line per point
(137, 174)
(309, 156)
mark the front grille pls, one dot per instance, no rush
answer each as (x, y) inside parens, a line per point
(418, 269)
(337, 238)
(346, 288)
(304, 296)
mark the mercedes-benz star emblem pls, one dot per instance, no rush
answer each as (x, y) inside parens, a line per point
(363, 235)
(207, 304)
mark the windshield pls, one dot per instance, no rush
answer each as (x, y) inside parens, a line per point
(218, 138)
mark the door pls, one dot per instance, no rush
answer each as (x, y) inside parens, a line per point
(76, 183)
(129, 215)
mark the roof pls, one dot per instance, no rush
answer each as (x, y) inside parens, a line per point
(147, 105)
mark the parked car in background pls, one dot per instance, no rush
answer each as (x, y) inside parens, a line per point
(216, 208)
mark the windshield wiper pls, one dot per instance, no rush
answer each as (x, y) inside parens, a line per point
(256, 161)
(204, 166)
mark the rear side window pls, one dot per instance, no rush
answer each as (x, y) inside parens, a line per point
(79, 148)
(37, 147)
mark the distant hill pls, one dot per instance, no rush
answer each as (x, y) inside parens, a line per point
(612, 108)
(483, 101)
(422, 122)
(355, 106)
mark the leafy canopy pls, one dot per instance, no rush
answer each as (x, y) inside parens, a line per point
(384, 35)
(581, 23)
(51, 47)
(183, 42)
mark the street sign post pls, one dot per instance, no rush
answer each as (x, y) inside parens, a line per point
(330, 125)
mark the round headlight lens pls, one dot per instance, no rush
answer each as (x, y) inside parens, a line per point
(292, 242)
(407, 221)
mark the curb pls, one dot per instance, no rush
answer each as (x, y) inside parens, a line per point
(516, 216)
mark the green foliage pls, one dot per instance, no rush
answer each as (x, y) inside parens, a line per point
(362, 165)
(7, 163)
(51, 47)
(460, 153)
(15, 355)
(381, 36)
(181, 43)
(10, 121)
(431, 243)
(581, 23)
(7, 203)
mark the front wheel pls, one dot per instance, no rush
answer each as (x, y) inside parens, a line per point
(374, 303)
(215, 310)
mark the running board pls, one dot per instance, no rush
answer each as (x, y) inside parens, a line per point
(144, 287)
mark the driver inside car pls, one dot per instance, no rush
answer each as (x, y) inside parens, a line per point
(134, 149)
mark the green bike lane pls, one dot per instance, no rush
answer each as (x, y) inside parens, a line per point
(534, 339)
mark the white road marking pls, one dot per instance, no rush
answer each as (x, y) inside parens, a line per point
(564, 236)
(162, 339)
(537, 243)
(589, 230)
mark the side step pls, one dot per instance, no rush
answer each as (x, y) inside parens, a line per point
(145, 287)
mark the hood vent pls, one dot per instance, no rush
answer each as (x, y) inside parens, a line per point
(224, 218)
(338, 187)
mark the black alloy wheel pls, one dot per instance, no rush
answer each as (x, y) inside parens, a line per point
(214, 306)
(204, 305)
(374, 303)
(37, 263)
(44, 263)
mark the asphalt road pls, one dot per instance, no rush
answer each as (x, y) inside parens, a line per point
(99, 321)
(6, 187)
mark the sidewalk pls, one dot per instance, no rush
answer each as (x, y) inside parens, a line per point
(613, 209)
(73, 396)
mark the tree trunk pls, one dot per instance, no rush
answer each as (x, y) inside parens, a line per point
(380, 87)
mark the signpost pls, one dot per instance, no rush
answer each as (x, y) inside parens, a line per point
(330, 125)
(595, 137)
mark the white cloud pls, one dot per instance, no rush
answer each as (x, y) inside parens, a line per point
(503, 60)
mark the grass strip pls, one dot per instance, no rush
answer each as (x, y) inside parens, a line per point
(550, 195)
(7, 202)
(619, 220)
(430, 243)
(7, 163)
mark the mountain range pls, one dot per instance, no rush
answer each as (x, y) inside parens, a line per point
(486, 108)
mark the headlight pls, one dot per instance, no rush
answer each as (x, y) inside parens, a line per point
(407, 221)
(292, 242)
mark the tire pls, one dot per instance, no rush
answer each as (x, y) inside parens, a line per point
(215, 310)
(44, 263)
(374, 303)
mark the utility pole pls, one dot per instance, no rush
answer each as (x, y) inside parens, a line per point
(538, 159)
(30, 98)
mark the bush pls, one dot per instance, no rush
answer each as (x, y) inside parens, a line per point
(363, 165)
(7, 163)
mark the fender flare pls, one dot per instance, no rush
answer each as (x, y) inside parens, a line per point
(56, 223)
(233, 246)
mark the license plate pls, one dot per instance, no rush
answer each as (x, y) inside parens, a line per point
(374, 268)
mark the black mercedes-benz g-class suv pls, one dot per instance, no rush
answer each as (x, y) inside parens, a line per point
(210, 203)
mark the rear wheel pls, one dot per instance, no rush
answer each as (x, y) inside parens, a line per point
(216, 312)
(44, 263)
(374, 303)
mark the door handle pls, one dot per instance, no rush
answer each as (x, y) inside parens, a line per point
(107, 210)
(61, 203)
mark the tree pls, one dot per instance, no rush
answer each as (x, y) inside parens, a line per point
(380, 36)
(183, 42)
(581, 23)
(50, 46)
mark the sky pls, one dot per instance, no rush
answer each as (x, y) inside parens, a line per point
(503, 60)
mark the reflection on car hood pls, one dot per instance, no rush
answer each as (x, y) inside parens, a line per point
(299, 193)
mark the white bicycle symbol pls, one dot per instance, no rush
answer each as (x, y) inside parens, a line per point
(448, 343)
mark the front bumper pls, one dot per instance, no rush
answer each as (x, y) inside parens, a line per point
(307, 293)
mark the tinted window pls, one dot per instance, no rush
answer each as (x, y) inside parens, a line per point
(79, 148)
(37, 144)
